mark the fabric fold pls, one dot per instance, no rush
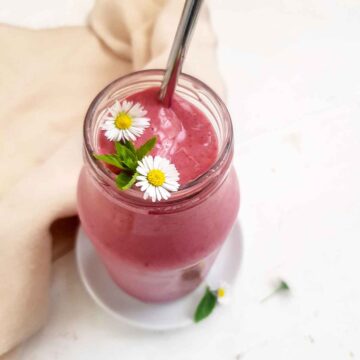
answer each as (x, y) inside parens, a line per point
(47, 80)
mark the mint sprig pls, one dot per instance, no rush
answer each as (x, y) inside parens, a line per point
(126, 158)
(281, 287)
(131, 146)
(144, 149)
(111, 160)
(206, 305)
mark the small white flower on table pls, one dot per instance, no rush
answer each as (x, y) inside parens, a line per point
(158, 177)
(222, 292)
(125, 121)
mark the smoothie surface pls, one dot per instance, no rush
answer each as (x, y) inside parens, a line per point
(184, 134)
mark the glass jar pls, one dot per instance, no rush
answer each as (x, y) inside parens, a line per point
(159, 251)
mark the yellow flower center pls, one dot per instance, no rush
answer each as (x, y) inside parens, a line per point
(123, 121)
(156, 177)
(221, 292)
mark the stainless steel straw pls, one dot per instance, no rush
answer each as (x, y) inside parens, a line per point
(178, 51)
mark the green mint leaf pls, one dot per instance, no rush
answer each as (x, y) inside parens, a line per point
(119, 148)
(126, 156)
(110, 159)
(146, 148)
(131, 163)
(206, 305)
(125, 180)
(130, 146)
(282, 287)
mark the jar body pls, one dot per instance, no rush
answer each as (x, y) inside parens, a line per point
(154, 256)
(159, 251)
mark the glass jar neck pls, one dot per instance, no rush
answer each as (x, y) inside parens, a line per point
(192, 90)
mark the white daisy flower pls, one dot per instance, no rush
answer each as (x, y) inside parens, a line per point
(222, 292)
(158, 177)
(125, 121)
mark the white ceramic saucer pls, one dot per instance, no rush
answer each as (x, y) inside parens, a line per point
(166, 316)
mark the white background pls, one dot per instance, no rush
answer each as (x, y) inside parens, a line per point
(293, 78)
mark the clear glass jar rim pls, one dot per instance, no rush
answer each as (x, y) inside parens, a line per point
(225, 152)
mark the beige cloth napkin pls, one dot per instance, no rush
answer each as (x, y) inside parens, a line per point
(47, 80)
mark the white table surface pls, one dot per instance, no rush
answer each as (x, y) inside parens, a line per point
(293, 77)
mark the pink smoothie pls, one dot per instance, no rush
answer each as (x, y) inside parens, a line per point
(185, 136)
(162, 254)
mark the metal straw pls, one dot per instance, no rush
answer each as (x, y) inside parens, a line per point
(178, 51)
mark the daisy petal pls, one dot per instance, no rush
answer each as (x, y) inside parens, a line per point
(141, 178)
(126, 106)
(148, 160)
(137, 111)
(140, 169)
(158, 194)
(164, 193)
(157, 161)
(144, 186)
(150, 191)
(145, 122)
(170, 187)
(130, 136)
